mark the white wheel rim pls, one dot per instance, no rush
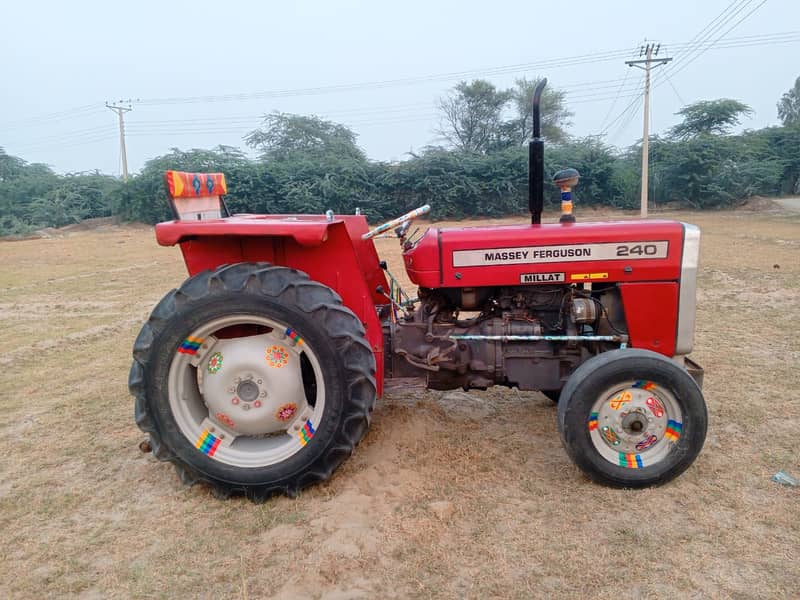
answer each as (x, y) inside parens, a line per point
(273, 420)
(635, 424)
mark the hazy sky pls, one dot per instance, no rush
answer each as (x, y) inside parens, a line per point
(62, 60)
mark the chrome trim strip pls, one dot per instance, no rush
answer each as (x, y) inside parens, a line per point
(687, 300)
(540, 338)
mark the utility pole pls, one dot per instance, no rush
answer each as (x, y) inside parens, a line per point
(646, 64)
(121, 110)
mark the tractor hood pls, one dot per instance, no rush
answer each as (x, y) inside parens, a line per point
(620, 251)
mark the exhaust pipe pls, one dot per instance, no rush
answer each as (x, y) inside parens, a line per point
(536, 160)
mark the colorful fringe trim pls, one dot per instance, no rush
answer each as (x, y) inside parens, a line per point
(306, 433)
(190, 345)
(207, 443)
(673, 431)
(294, 337)
(592, 421)
(631, 461)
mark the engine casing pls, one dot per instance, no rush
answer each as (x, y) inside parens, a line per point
(553, 288)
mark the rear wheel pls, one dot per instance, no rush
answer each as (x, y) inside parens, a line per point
(254, 379)
(632, 418)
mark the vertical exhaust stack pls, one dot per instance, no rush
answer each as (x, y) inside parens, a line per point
(536, 160)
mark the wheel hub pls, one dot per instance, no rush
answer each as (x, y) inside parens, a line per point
(633, 425)
(252, 385)
(247, 391)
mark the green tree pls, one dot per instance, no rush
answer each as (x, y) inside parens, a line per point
(283, 134)
(710, 117)
(789, 105)
(472, 116)
(10, 166)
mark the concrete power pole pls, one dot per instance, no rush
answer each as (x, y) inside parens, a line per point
(121, 110)
(647, 63)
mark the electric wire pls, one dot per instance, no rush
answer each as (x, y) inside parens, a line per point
(506, 69)
(701, 40)
(674, 89)
(700, 36)
(616, 98)
(631, 107)
(575, 93)
(687, 58)
(684, 65)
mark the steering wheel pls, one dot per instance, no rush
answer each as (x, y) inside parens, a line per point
(417, 212)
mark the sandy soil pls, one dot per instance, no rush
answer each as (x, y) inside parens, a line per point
(450, 495)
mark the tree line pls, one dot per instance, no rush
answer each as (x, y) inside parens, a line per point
(305, 164)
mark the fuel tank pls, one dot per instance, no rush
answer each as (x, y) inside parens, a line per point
(508, 255)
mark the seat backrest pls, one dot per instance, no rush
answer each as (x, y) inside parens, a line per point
(196, 196)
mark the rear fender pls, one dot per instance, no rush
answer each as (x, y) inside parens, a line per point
(330, 252)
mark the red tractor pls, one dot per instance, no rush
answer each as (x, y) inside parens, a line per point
(258, 375)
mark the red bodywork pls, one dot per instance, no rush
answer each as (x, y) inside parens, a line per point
(333, 253)
(649, 286)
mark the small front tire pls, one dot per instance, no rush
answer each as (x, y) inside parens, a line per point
(632, 418)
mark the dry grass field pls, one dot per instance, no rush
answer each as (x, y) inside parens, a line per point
(450, 495)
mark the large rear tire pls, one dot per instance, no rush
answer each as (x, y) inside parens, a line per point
(253, 379)
(632, 418)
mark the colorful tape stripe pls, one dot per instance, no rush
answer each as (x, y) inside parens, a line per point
(592, 421)
(207, 443)
(673, 431)
(294, 337)
(644, 385)
(306, 433)
(190, 345)
(631, 461)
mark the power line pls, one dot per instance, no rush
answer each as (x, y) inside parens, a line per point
(612, 90)
(506, 69)
(77, 112)
(683, 66)
(636, 97)
(630, 114)
(616, 97)
(703, 41)
(693, 46)
(702, 38)
(677, 94)
(68, 144)
(702, 34)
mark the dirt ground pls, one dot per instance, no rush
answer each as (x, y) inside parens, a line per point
(450, 495)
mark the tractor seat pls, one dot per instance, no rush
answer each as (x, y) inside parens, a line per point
(196, 196)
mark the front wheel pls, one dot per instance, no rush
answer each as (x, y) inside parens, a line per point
(632, 418)
(253, 379)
